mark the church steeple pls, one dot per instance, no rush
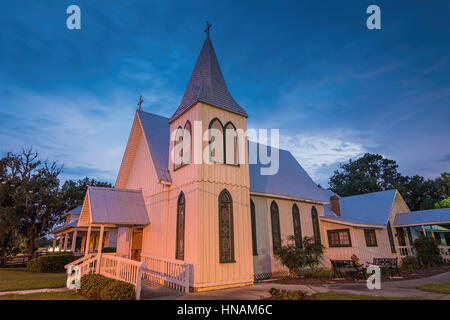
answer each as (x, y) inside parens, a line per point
(207, 84)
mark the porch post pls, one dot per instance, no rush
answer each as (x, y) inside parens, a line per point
(432, 232)
(60, 242)
(83, 243)
(74, 240)
(66, 240)
(100, 246)
(424, 232)
(86, 251)
(54, 244)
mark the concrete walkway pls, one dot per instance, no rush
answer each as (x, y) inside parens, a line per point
(4, 293)
(404, 288)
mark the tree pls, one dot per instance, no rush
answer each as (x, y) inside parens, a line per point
(443, 204)
(34, 194)
(73, 192)
(369, 173)
(443, 183)
(419, 193)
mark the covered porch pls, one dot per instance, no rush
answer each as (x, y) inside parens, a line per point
(429, 223)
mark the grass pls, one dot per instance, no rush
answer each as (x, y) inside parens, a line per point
(66, 295)
(345, 296)
(13, 279)
(437, 288)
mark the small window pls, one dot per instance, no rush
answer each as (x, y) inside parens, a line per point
(339, 238)
(371, 237)
(216, 143)
(297, 226)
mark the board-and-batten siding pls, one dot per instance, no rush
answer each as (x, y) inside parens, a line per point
(265, 264)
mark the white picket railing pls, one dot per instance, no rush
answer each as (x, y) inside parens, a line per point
(169, 273)
(119, 268)
(406, 251)
(445, 252)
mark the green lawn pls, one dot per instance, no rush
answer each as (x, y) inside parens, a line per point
(437, 288)
(12, 279)
(68, 295)
(344, 296)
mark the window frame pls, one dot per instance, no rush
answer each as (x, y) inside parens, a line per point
(253, 222)
(275, 205)
(225, 145)
(232, 259)
(347, 230)
(181, 196)
(298, 234)
(366, 232)
(210, 142)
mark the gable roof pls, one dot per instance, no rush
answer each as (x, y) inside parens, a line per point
(423, 217)
(370, 208)
(291, 179)
(116, 206)
(76, 211)
(157, 133)
(65, 226)
(208, 85)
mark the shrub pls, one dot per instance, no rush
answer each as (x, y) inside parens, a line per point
(287, 295)
(319, 274)
(295, 258)
(108, 249)
(51, 263)
(97, 287)
(409, 264)
(428, 253)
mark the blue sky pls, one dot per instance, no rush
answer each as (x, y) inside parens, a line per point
(310, 68)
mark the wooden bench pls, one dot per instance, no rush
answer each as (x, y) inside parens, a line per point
(388, 264)
(340, 266)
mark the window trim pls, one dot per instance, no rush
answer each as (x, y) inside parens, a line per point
(347, 230)
(209, 140)
(366, 230)
(182, 164)
(298, 240)
(178, 224)
(232, 260)
(225, 145)
(278, 223)
(314, 221)
(253, 222)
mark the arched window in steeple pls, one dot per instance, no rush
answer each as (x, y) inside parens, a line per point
(226, 236)
(178, 149)
(231, 144)
(297, 226)
(187, 143)
(181, 217)
(216, 141)
(276, 234)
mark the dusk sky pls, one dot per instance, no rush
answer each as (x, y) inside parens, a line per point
(310, 68)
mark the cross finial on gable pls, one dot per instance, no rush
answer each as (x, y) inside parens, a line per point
(208, 26)
(140, 103)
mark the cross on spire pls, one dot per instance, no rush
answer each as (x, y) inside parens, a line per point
(208, 26)
(140, 103)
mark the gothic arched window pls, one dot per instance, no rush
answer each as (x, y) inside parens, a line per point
(181, 218)
(187, 143)
(253, 220)
(315, 224)
(297, 226)
(226, 237)
(216, 141)
(178, 149)
(231, 144)
(276, 234)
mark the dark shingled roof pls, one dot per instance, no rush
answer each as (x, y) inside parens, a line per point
(208, 85)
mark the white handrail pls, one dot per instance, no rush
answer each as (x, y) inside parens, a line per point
(167, 272)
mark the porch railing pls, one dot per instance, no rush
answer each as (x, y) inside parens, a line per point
(411, 251)
(169, 273)
(445, 252)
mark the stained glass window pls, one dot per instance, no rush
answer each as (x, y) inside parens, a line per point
(276, 234)
(180, 227)
(226, 227)
(315, 224)
(297, 226)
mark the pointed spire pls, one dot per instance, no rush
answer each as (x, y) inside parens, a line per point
(207, 84)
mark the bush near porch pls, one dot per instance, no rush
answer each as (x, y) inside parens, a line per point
(51, 263)
(97, 287)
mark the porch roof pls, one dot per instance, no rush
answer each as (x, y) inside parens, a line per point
(423, 217)
(73, 224)
(116, 206)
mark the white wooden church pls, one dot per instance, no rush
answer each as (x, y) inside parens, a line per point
(223, 219)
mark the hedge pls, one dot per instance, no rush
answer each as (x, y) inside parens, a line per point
(51, 263)
(97, 287)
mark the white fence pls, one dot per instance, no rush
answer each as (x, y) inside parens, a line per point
(169, 273)
(411, 251)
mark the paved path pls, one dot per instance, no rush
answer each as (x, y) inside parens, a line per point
(404, 288)
(4, 293)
